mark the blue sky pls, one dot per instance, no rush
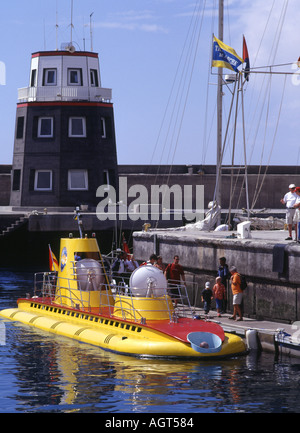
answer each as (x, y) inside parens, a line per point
(155, 55)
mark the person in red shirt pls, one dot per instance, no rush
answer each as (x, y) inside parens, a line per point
(219, 292)
(174, 273)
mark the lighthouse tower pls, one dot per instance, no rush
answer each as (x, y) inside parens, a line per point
(65, 145)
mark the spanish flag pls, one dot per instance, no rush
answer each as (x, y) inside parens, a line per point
(246, 60)
(125, 245)
(225, 56)
(53, 263)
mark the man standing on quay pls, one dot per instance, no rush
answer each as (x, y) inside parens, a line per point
(237, 294)
(289, 200)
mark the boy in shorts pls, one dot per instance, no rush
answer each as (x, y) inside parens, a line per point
(219, 295)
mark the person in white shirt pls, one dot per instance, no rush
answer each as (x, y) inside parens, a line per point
(297, 212)
(130, 264)
(289, 200)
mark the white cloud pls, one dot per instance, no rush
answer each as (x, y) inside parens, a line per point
(271, 29)
(132, 20)
(133, 15)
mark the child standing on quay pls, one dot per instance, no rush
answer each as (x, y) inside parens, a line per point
(219, 294)
(207, 296)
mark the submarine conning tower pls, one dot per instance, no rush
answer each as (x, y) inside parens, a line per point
(81, 280)
(64, 146)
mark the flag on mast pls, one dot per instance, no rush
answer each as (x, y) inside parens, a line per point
(225, 56)
(246, 60)
(125, 245)
(53, 262)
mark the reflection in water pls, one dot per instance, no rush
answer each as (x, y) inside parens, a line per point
(54, 374)
(47, 373)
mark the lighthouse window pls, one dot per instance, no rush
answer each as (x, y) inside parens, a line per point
(103, 127)
(74, 77)
(16, 180)
(94, 77)
(43, 180)
(77, 127)
(33, 78)
(20, 127)
(49, 78)
(45, 127)
(77, 180)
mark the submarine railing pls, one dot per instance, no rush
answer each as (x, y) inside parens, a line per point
(59, 292)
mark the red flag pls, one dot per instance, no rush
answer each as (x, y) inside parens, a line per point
(125, 246)
(53, 263)
(246, 60)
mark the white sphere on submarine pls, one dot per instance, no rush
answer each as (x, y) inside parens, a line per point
(148, 280)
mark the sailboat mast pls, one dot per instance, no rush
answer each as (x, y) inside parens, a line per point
(71, 22)
(220, 110)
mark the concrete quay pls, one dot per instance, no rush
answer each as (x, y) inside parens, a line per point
(269, 262)
(269, 336)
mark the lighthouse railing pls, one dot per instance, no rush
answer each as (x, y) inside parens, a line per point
(68, 93)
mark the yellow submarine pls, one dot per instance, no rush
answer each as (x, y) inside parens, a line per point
(82, 302)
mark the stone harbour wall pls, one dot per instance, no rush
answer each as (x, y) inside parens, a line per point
(272, 270)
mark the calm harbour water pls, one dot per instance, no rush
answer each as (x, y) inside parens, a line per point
(43, 373)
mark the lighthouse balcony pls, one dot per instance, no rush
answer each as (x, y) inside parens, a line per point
(70, 93)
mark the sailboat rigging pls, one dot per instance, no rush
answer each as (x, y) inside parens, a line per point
(241, 78)
(240, 81)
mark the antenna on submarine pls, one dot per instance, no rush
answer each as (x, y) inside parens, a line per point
(77, 217)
